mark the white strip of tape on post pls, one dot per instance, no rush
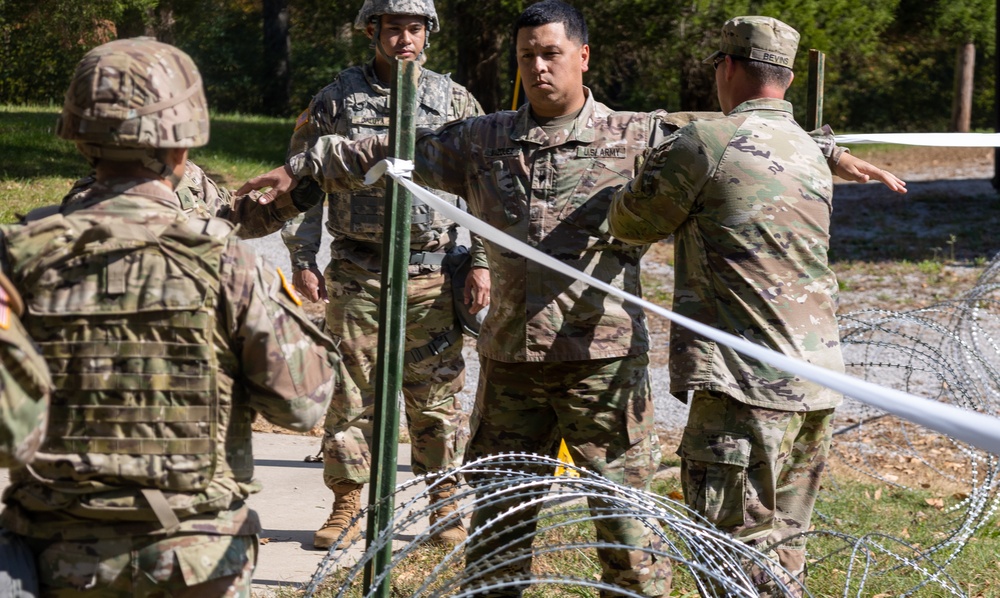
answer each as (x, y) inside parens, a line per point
(929, 139)
(977, 429)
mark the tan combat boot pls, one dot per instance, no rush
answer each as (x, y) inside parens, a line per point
(453, 533)
(346, 504)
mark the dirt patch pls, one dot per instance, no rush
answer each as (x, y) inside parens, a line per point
(916, 163)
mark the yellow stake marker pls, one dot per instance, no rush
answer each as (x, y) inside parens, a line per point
(565, 457)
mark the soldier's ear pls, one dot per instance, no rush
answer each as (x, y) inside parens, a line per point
(370, 31)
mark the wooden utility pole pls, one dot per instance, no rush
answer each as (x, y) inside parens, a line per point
(996, 105)
(814, 95)
(965, 70)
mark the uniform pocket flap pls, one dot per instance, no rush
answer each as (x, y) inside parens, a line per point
(715, 447)
(210, 557)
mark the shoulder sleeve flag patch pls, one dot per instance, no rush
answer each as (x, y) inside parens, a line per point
(302, 119)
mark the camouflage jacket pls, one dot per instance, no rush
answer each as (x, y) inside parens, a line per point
(24, 384)
(270, 359)
(552, 193)
(748, 198)
(356, 105)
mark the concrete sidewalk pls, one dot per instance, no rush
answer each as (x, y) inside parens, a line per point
(293, 504)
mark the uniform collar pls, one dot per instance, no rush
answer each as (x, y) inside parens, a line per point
(424, 92)
(764, 104)
(528, 131)
(157, 192)
(373, 81)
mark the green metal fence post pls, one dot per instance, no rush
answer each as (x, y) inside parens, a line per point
(814, 108)
(392, 325)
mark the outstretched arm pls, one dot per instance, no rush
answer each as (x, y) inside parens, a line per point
(279, 181)
(855, 169)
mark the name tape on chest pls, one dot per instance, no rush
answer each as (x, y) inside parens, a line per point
(617, 153)
(502, 152)
(370, 121)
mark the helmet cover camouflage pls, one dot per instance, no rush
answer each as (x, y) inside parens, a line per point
(375, 8)
(135, 93)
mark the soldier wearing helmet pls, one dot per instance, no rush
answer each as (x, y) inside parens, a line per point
(356, 105)
(164, 336)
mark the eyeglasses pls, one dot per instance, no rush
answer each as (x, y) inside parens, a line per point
(718, 61)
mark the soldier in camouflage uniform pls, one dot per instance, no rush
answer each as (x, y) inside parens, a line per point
(164, 336)
(558, 359)
(356, 105)
(748, 198)
(25, 387)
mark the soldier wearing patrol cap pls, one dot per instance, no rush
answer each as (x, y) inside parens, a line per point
(356, 105)
(164, 336)
(749, 199)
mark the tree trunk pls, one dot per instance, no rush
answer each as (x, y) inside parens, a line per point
(697, 85)
(481, 52)
(961, 107)
(276, 86)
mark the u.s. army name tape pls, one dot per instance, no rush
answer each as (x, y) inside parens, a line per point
(929, 139)
(977, 429)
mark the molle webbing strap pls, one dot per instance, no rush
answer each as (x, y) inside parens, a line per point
(435, 347)
(427, 258)
(161, 508)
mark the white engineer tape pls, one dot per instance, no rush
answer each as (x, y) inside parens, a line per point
(977, 429)
(934, 139)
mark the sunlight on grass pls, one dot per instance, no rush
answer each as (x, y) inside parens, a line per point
(37, 168)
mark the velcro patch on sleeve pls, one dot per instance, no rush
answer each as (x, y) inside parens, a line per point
(289, 288)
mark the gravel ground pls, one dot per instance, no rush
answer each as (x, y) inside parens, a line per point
(928, 171)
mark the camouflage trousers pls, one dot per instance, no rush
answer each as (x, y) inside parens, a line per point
(183, 565)
(755, 473)
(603, 409)
(435, 421)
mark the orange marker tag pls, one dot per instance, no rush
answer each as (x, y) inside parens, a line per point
(288, 288)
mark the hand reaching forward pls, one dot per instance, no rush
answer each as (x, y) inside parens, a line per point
(280, 180)
(855, 169)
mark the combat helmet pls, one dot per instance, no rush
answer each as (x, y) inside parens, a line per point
(375, 8)
(130, 96)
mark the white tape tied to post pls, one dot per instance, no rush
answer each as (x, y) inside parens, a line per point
(929, 139)
(977, 429)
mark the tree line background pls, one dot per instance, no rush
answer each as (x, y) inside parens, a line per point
(891, 65)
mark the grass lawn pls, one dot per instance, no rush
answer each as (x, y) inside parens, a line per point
(37, 168)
